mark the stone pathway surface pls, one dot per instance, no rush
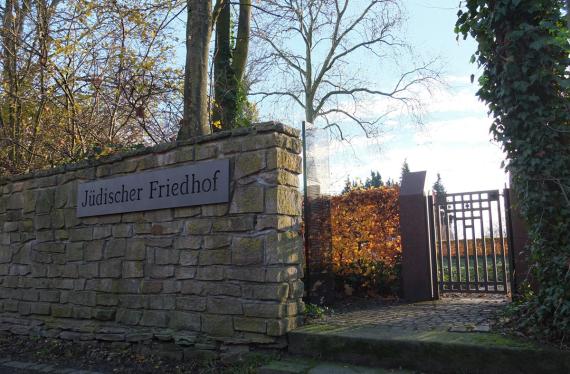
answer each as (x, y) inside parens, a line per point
(303, 366)
(21, 367)
(451, 335)
(450, 313)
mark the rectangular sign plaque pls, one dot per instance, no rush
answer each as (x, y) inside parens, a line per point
(202, 183)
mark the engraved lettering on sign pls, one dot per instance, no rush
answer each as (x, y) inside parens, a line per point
(202, 183)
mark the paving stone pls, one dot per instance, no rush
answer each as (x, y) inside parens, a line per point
(43, 368)
(285, 367)
(447, 314)
(18, 364)
(330, 368)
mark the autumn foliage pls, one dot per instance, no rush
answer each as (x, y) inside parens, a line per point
(366, 245)
(366, 225)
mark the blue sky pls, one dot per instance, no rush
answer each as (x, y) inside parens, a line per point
(454, 139)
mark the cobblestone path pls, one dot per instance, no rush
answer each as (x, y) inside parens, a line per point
(450, 313)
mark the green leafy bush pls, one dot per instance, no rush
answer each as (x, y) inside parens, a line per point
(314, 311)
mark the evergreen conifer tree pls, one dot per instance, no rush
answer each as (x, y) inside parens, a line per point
(375, 180)
(405, 169)
(347, 186)
(440, 191)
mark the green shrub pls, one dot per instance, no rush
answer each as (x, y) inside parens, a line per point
(314, 311)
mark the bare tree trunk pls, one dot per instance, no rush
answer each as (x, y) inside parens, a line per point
(11, 38)
(229, 65)
(44, 14)
(224, 76)
(198, 34)
(242, 42)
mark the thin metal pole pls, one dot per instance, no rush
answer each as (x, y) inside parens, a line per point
(465, 246)
(503, 256)
(457, 251)
(439, 241)
(306, 214)
(493, 251)
(475, 248)
(449, 263)
(484, 244)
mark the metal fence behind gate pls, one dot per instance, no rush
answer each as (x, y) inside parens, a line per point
(471, 242)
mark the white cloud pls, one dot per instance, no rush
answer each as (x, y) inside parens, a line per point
(455, 101)
(458, 96)
(465, 130)
(460, 149)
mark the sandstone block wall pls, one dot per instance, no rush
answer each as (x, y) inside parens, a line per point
(199, 276)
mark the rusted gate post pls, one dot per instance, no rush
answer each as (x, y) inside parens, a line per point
(518, 241)
(417, 273)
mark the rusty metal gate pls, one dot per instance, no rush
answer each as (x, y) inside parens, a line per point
(470, 241)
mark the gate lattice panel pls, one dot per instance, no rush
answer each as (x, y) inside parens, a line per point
(470, 242)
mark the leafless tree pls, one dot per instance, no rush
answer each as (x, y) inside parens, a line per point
(319, 53)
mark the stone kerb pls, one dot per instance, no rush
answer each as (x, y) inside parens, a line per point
(199, 276)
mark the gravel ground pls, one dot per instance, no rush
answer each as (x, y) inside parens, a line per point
(104, 358)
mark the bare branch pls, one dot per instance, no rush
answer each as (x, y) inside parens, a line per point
(315, 47)
(267, 94)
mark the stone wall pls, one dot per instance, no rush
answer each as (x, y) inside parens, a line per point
(205, 277)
